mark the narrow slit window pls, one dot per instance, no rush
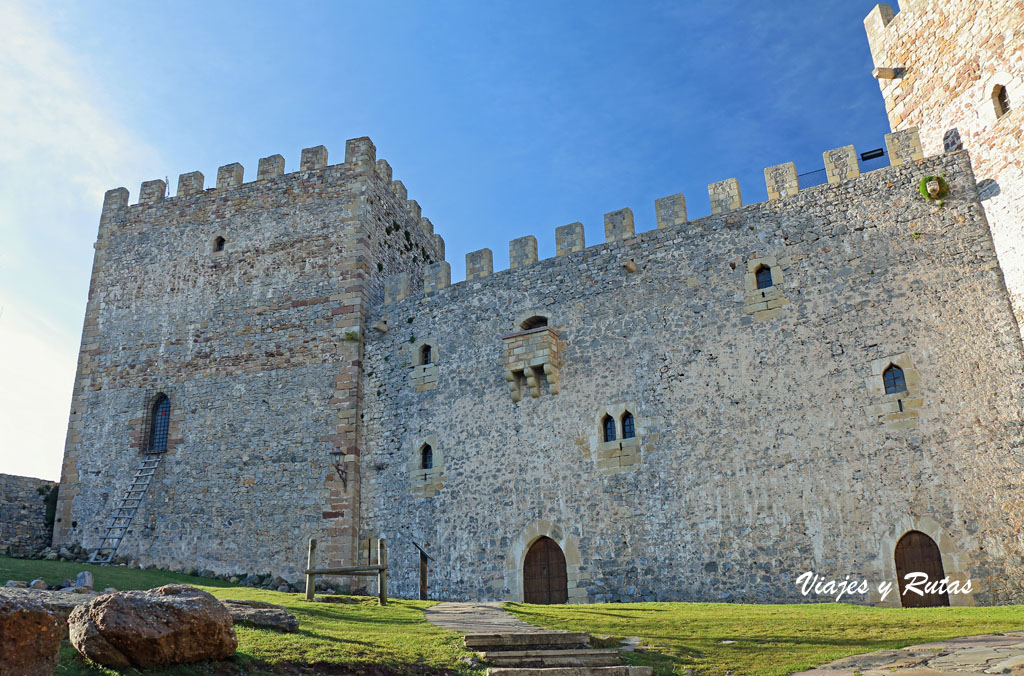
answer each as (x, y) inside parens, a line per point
(160, 423)
(893, 379)
(608, 428)
(426, 355)
(628, 426)
(426, 457)
(1001, 99)
(218, 244)
(764, 277)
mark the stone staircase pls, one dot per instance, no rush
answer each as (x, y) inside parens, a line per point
(548, 653)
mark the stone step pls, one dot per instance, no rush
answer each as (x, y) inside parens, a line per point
(571, 671)
(539, 640)
(577, 657)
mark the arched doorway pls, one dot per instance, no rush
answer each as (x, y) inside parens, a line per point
(544, 576)
(918, 553)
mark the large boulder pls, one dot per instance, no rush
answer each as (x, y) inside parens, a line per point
(167, 625)
(30, 644)
(262, 615)
(58, 603)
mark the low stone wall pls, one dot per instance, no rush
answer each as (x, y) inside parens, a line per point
(23, 514)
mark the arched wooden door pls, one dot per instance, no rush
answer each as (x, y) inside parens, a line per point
(918, 553)
(544, 576)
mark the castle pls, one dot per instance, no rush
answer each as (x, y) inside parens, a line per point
(830, 380)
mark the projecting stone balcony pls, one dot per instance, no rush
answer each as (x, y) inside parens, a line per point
(531, 361)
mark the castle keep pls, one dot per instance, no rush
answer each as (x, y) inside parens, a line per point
(830, 380)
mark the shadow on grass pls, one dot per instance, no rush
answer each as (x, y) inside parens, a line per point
(242, 664)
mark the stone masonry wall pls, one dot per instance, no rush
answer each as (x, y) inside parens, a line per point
(765, 446)
(23, 527)
(257, 345)
(938, 64)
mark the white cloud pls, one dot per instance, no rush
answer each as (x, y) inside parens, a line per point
(61, 146)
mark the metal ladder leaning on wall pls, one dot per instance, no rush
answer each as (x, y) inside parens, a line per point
(126, 508)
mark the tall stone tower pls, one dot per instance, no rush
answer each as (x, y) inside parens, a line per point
(215, 415)
(955, 70)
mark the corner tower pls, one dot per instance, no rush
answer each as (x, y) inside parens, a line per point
(955, 70)
(243, 306)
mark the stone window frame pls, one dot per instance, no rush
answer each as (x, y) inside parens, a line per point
(524, 317)
(425, 483)
(577, 579)
(764, 303)
(899, 410)
(211, 246)
(956, 563)
(142, 426)
(423, 377)
(620, 454)
(988, 109)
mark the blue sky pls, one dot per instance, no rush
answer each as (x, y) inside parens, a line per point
(503, 119)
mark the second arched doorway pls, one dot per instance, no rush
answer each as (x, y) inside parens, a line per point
(544, 574)
(918, 553)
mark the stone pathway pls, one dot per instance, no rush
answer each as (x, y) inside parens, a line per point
(478, 618)
(986, 654)
(512, 647)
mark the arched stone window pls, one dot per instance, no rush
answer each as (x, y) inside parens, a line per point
(764, 277)
(893, 379)
(426, 355)
(426, 457)
(628, 426)
(608, 428)
(1001, 100)
(534, 322)
(218, 243)
(159, 424)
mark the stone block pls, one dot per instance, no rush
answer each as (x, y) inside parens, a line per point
(384, 171)
(841, 164)
(904, 147)
(618, 225)
(725, 196)
(522, 252)
(437, 276)
(396, 288)
(270, 167)
(569, 239)
(781, 180)
(314, 158)
(360, 154)
(190, 183)
(152, 191)
(670, 210)
(230, 176)
(479, 264)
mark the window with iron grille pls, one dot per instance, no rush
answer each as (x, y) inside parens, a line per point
(628, 426)
(764, 277)
(608, 426)
(426, 457)
(159, 424)
(894, 380)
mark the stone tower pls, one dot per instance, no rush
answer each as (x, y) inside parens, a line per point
(955, 70)
(244, 306)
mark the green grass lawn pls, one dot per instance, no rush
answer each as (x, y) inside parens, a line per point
(350, 637)
(357, 636)
(767, 640)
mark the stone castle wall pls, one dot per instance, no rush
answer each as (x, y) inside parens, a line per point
(256, 345)
(23, 526)
(765, 443)
(938, 65)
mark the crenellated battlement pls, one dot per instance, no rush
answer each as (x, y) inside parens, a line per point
(782, 182)
(360, 161)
